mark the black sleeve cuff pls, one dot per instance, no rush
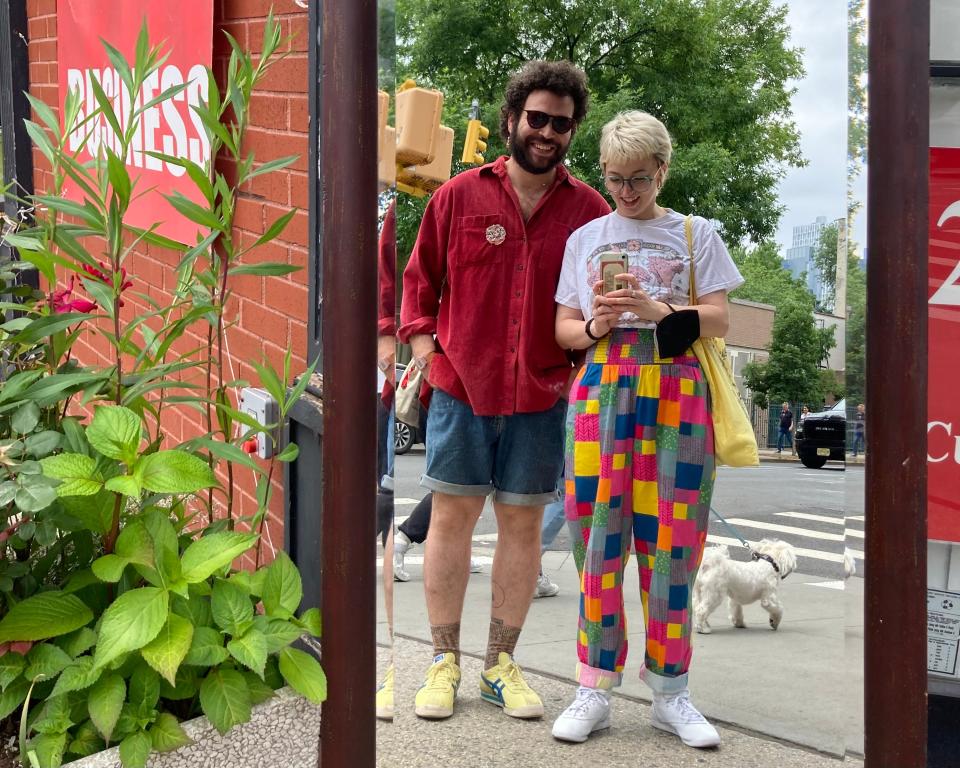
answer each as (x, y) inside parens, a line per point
(677, 331)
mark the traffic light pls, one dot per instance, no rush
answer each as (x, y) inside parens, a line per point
(474, 145)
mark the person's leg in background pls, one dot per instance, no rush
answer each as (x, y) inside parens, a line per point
(412, 531)
(553, 521)
(384, 698)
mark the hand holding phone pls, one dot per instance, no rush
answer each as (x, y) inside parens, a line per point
(612, 265)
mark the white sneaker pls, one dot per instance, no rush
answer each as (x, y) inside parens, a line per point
(545, 587)
(676, 714)
(400, 546)
(475, 565)
(589, 712)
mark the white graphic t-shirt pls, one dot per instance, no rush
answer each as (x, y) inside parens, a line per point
(657, 253)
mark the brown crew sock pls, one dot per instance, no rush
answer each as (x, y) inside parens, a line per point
(446, 639)
(502, 639)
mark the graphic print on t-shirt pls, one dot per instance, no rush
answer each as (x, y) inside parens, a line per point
(660, 270)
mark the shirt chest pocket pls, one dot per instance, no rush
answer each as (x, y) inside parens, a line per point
(479, 240)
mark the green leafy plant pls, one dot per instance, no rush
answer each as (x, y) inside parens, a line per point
(122, 612)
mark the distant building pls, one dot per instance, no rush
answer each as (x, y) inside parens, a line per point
(748, 339)
(799, 259)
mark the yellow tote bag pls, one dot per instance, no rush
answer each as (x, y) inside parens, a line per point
(734, 442)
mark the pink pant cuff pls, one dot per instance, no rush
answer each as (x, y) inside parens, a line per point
(601, 679)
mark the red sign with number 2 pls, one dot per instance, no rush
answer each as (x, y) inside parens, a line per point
(943, 405)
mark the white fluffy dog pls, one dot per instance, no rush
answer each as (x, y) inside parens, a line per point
(742, 583)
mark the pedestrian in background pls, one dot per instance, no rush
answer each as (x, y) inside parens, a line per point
(786, 425)
(859, 426)
(639, 450)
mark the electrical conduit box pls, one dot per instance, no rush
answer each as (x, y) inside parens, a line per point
(259, 404)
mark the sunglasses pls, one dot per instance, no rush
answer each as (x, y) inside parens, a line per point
(538, 120)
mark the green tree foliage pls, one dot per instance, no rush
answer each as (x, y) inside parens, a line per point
(792, 372)
(856, 90)
(856, 332)
(825, 262)
(716, 72)
(768, 281)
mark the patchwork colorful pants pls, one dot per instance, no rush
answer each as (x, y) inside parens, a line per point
(640, 466)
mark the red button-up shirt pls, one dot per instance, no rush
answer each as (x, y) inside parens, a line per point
(483, 281)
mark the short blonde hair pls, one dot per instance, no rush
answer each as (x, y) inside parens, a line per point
(633, 135)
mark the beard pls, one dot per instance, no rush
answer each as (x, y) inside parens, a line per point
(518, 151)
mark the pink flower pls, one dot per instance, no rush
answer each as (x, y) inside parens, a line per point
(61, 302)
(104, 275)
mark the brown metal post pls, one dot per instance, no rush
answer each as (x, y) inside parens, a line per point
(348, 239)
(895, 637)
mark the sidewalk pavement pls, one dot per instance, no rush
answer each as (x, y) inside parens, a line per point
(480, 736)
(770, 454)
(802, 684)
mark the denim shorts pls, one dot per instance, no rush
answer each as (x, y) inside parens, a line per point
(518, 458)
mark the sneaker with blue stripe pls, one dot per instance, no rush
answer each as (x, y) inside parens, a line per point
(439, 690)
(504, 686)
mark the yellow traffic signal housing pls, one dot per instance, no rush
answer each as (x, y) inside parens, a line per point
(418, 121)
(474, 145)
(387, 160)
(431, 175)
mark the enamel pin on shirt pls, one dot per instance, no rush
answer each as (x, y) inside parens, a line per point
(496, 234)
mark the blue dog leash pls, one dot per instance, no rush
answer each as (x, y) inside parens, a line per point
(753, 555)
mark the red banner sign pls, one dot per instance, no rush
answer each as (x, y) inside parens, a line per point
(943, 405)
(185, 27)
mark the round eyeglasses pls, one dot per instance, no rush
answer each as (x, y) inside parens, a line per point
(635, 183)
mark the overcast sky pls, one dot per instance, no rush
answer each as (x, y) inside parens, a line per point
(819, 110)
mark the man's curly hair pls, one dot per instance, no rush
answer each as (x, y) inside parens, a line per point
(559, 77)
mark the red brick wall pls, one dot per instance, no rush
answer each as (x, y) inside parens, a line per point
(270, 313)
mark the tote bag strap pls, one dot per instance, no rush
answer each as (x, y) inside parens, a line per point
(688, 228)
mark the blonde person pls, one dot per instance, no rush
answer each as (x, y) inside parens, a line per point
(639, 447)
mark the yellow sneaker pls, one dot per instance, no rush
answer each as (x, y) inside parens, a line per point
(504, 686)
(435, 697)
(385, 696)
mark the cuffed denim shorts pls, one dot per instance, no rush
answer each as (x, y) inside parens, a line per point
(518, 458)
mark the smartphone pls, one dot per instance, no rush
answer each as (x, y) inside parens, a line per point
(611, 265)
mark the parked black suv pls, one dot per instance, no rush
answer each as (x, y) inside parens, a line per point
(822, 436)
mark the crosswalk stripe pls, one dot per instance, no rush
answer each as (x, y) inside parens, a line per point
(418, 560)
(816, 518)
(825, 584)
(816, 554)
(856, 517)
(853, 533)
(805, 532)
(402, 501)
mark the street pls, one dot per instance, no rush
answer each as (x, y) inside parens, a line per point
(816, 510)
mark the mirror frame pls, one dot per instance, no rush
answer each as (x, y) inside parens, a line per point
(895, 606)
(343, 132)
